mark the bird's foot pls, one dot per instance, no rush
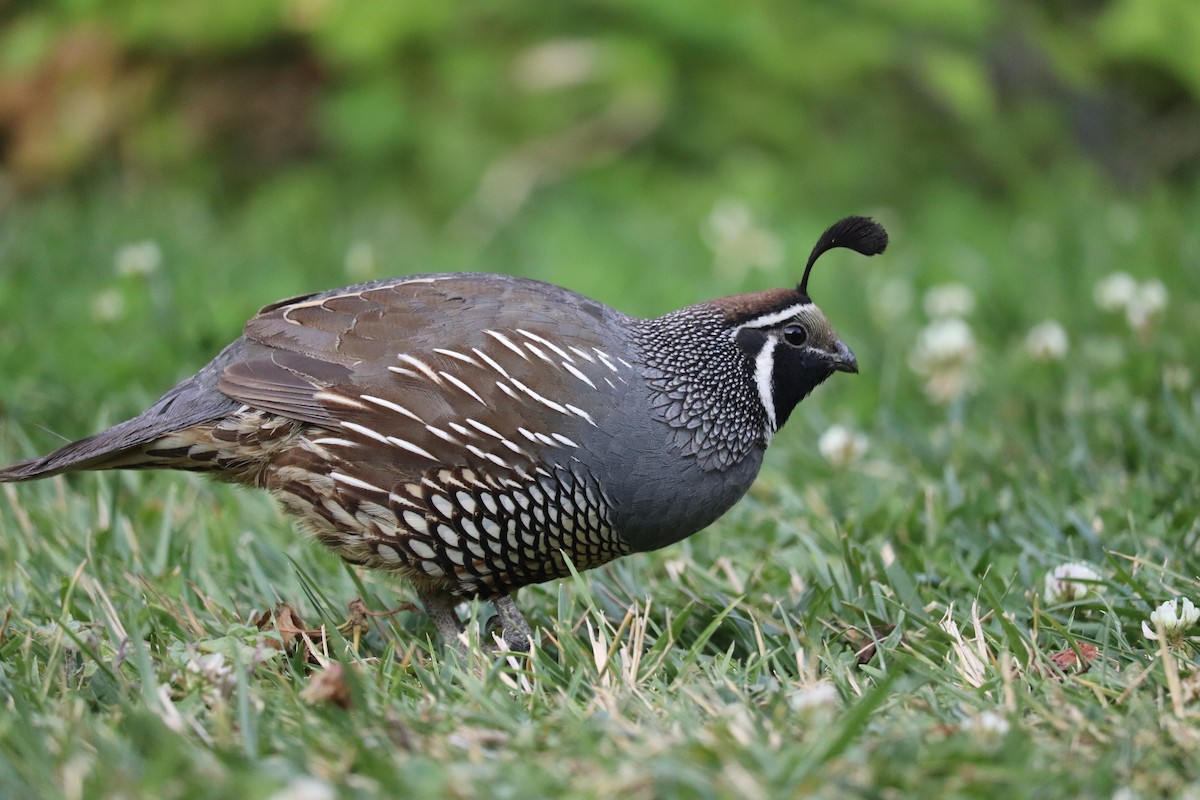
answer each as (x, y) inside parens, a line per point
(512, 625)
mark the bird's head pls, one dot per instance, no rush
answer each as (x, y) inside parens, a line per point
(786, 338)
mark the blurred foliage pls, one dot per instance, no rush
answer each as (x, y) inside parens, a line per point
(471, 107)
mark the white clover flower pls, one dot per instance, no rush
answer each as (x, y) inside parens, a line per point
(841, 446)
(987, 725)
(305, 787)
(949, 300)
(1069, 582)
(943, 343)
(1146, 304)
(214, 673)
(1115, 292)
(945, 355)
(108, 305)
(137, 260)
(1047, 342)
(557, 63)
(1174, 617)
(737, 242)
(819, 695)
(361, 262)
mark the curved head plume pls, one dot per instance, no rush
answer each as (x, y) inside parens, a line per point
(861, 234)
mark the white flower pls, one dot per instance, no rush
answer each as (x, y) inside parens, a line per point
(821, 694)
(1145, 305)
(1114, 292)
(949, 300)
(942, 343)
(557, 63)
(1069, 582)
(1174, 617)
(108, 305)
(214, 672)
(987, 725)
(944, 355)
(305, 787)
(137, 260)
(737, 242)
(841, 446)
(1046, 342)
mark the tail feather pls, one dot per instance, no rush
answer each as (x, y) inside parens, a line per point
(192, 402)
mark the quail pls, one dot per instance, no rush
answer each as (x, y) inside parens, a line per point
(477, 433)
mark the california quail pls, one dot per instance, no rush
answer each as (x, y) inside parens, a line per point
(473, 432)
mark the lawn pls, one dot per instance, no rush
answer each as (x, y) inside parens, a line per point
(875, 619)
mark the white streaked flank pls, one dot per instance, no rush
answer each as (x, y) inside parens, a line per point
(365, 431)
(516, 448)
(333, 441)
(441, 434)
(571, 368)
(420, 365)
(355, 482)
(390, 406)
(586, 356)
(605, 358)
(543, 400)
(338, 399)
(558, 350)
(400, 500)
(579, 412)
(504, 340)
(495, 459)
(404, 444)
(531, 347)
(464, 387)
(491, 362)
(479, 426)
(455, 354)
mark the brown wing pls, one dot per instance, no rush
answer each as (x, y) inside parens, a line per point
(446, 369)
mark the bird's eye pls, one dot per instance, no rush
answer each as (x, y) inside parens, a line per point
(795, 335)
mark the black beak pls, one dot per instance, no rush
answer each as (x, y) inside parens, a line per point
(843, 359)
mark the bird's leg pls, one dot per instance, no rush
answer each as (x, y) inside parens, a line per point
(513, 626)
(440, 608)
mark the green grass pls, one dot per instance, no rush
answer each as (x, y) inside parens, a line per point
(723, 666)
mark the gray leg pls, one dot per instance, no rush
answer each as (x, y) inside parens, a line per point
(516, 630)
(440, 608)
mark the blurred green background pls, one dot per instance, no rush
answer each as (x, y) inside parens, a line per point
(1028, 395)
(648, 154)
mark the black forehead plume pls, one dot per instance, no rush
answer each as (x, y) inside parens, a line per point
(861, 234)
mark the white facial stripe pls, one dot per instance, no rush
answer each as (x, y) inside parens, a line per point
(772, 319)
(764, 368)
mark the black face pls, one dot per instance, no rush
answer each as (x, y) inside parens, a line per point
(797, 371)
(790, 352)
